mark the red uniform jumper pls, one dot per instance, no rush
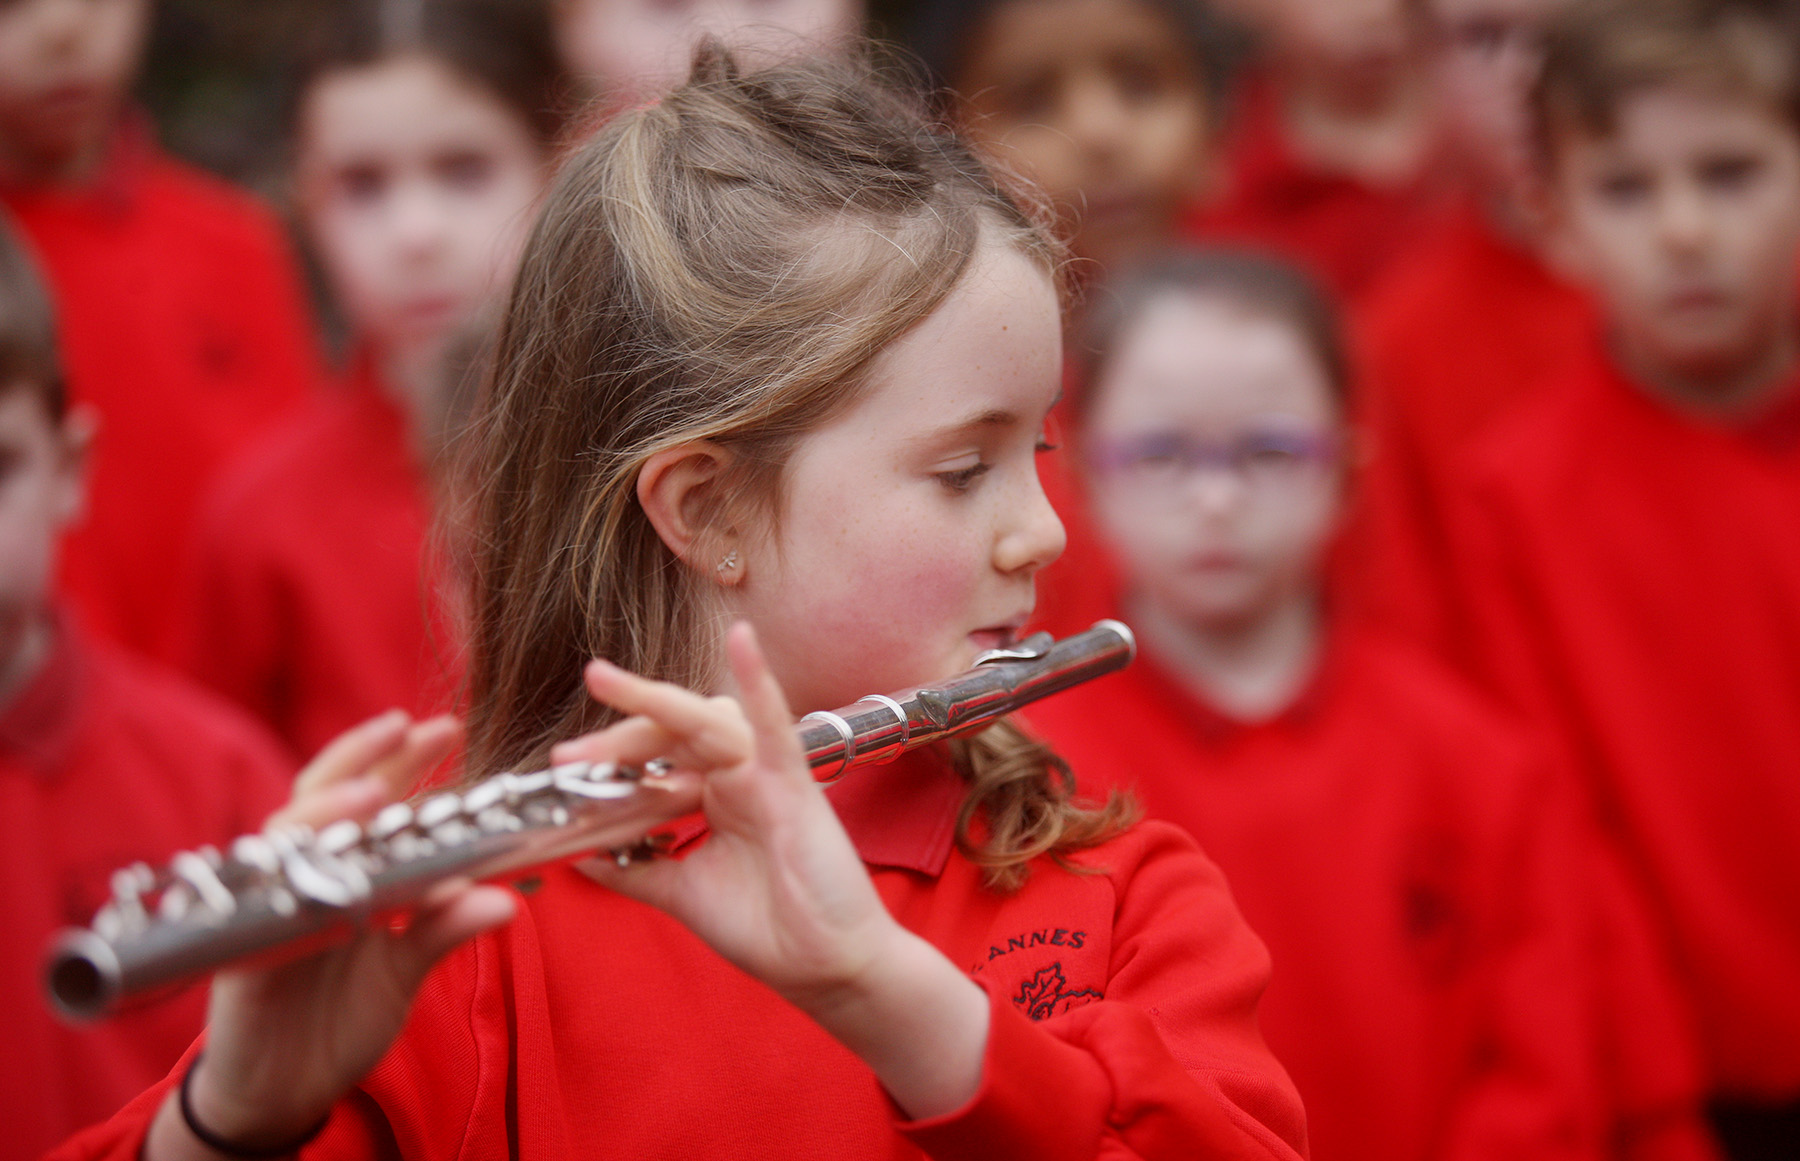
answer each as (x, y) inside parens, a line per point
(1462, 329)
(183, 323)
(105, 761)
(1343, 231)
(1123, 1021)
(1634, 577)
(1399, 845)
(307, 600)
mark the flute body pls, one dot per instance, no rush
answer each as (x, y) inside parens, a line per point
(290, 889)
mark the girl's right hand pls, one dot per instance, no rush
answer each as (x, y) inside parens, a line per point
(284, 1043)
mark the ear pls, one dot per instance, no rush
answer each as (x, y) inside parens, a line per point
(76, 435)
(679, 490)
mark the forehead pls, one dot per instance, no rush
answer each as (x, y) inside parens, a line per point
(1204, 362)
(1030, 35)
(993, 345)
(1670, 122)
(1494, 11)
(400, 104)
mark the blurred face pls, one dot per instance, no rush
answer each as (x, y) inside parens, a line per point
(1489, 54)
(632, 50)
(1686, 219)
(1211, 448)
(913, 524)
(418, 188)
(40, 494)
(1348, 39)
(1100, 103)
(66, 67)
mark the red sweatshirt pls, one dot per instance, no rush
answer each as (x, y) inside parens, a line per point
(1406, 854)
(182, 321)
(1463, 328)
(105, 761)
(1123, 1021)
(1343, 231)
(1633, 576)
(306, 601)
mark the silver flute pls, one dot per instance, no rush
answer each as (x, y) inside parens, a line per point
(291, 889)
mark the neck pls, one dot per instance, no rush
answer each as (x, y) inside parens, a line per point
(1729, 389)
(1250, 668)
(73, 168)
(30, 643)
(413, 380)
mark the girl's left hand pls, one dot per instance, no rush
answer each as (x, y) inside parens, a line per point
(778, 889)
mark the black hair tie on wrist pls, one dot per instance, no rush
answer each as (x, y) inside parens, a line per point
(231, 1148)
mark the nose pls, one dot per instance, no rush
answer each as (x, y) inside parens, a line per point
(1031, 533)
(1097, 119)
(1215, 490)
(418, 220)
(1682, 219)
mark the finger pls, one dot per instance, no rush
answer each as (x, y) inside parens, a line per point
(352, 752)
(633, 741)
(359, 798)
(424, 745)
(765, 704)
(711, 727)
(438, 928)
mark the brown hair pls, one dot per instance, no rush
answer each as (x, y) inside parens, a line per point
(505, 45)
(1597, 53)
(723, 265)
(1252, 281)
(28, 357)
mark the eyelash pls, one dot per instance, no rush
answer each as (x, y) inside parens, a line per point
(962, 479)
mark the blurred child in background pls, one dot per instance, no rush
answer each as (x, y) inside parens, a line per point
(624, 52)
(183, 323)
(1627, 536)
(1113, 107)
(1410, 856)
(1473, 317)
(422, 150)
(1335, 160)
(104, 760)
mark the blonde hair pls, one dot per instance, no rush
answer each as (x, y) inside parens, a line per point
(721, 266)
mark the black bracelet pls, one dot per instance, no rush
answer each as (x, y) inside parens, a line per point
(231, 1148)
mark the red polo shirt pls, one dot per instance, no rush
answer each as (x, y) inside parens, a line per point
(307, 600)
(1466, 325)
(1123, 1009)
(105, 761)
(1346, 232)
(182, 322)
(1633, 577)
(1406, 854)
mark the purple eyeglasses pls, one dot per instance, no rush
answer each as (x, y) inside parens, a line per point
(1257, 458)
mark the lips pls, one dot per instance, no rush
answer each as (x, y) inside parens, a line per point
(999, 636)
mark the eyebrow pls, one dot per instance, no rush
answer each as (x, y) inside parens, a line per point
(995, 417)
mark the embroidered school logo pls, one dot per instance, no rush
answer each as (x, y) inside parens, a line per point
(1047, 994)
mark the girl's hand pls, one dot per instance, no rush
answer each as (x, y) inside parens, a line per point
(285, 1043)
(778, 889)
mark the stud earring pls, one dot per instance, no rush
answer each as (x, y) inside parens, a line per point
(729, 564)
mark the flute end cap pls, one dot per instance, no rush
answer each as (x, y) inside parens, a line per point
(1123, 630)
(81, 976)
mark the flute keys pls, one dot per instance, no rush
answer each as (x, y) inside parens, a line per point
(391, 821)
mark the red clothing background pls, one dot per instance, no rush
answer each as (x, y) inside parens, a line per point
(306, 600)
(1122, 1004)
(1633, 577)
(105, 761)
(1464, 327)
(182, 321)
(1409, 857)
(1345, 232)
